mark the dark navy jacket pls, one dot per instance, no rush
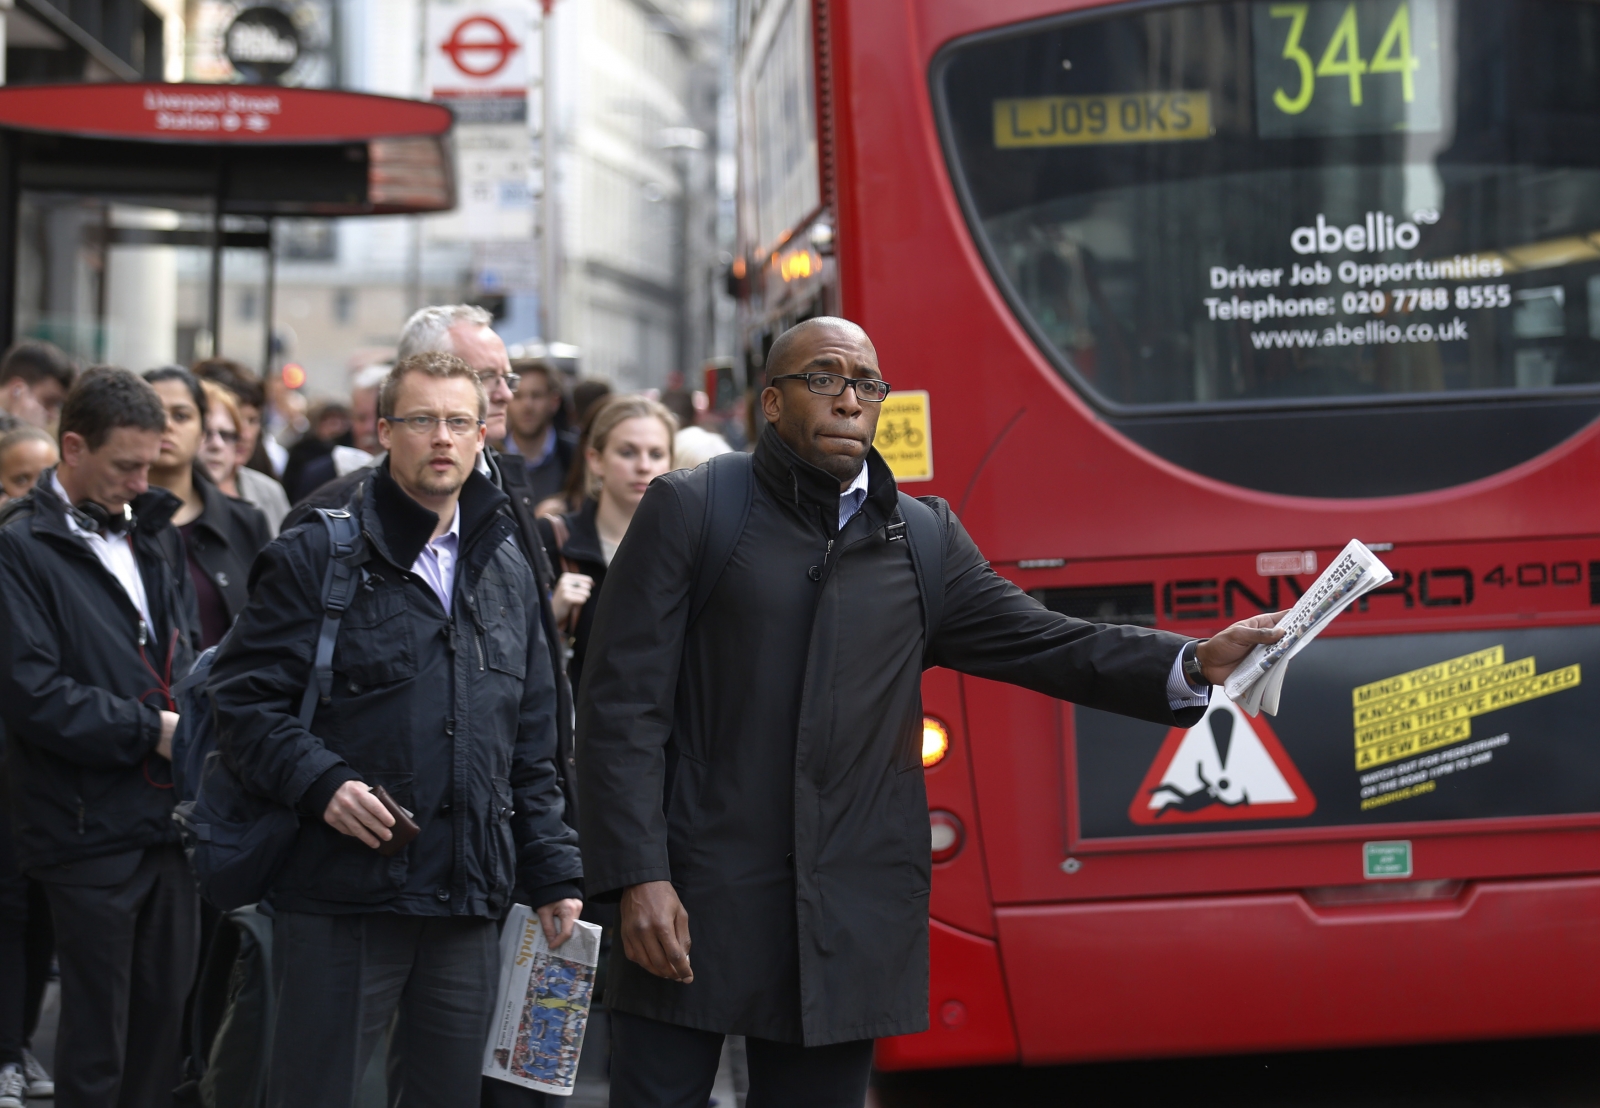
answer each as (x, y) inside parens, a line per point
(453, 714)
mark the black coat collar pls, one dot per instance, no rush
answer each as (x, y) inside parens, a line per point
(399, 527)
(809, 488)
(152, 509)
(216, 509)
(583, 535)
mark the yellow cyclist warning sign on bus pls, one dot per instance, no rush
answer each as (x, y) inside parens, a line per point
(1093, 120)
(905, 436)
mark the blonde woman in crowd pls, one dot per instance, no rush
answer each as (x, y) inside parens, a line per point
(629, 444)
(222, 454)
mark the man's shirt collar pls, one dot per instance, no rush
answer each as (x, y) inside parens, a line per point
(854, 495)
(533, 461)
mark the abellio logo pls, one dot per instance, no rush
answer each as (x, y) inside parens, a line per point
(1376, 232)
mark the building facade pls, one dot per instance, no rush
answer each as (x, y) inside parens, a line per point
(640, 116)
(641, 178)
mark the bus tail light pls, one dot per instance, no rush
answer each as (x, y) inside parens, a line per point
(947, 836)
(935, 742)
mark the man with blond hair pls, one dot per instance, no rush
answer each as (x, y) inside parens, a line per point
(465, 330)
(441, 697)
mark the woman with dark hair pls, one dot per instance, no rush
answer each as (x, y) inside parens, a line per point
(629, 445)
(222, 534)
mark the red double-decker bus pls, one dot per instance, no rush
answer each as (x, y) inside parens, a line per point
(1178, 298)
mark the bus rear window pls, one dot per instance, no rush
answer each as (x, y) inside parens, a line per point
(1254, 204)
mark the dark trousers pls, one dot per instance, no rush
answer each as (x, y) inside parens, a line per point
(342, 980)
(127, 954)
(26, 943)
(662, 1065)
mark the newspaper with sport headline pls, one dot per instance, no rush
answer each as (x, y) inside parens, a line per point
(1255, 685)
(542, 1007)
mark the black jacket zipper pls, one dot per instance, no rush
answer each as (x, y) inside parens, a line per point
(477, 629)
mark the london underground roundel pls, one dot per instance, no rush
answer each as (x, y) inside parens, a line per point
(480, 46)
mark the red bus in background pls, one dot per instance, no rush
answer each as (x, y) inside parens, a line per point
(1177, 298)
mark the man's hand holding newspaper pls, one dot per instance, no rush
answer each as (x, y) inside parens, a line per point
(1256, 681)
(1221, 654)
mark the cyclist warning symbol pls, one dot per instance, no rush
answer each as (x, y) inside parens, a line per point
(1228, 767)
(905, 437)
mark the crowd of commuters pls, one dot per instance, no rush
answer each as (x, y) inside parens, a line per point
(746, 665)
(140, 506)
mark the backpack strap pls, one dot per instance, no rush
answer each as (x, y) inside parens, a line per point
(925, 536)
(346, 552)
(730, 484)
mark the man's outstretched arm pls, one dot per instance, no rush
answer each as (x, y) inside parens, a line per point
(993, 629)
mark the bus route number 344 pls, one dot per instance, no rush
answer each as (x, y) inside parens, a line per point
(1341, 67)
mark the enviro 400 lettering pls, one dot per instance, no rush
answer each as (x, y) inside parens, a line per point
(1431, 707)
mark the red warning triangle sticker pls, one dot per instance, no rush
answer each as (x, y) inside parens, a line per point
(1226, 768)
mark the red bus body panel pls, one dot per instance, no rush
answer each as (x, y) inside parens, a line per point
(1205, 944)
(1270, 972)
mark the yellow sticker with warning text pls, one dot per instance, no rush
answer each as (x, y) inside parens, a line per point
(905, 435)
(1412, 713)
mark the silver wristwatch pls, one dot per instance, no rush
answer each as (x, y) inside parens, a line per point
(1191, 664)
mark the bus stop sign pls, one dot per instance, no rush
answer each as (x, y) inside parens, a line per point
(216, 113)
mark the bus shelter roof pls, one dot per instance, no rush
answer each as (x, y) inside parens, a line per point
(247, 149)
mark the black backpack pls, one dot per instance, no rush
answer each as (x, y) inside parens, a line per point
(236, 840)
(233, 1010)
(730, 483)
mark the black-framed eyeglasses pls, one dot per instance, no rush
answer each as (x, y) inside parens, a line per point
(460, 426)
(869, 390)
(512, 379)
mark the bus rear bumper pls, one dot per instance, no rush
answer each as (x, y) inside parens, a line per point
(1203, 975)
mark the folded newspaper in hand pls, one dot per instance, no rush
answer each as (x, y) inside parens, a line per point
(542, 1007)
(1355, 572)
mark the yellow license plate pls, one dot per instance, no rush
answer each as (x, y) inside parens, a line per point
(1096, 120)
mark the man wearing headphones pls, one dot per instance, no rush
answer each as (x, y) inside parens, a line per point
(98, 620)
